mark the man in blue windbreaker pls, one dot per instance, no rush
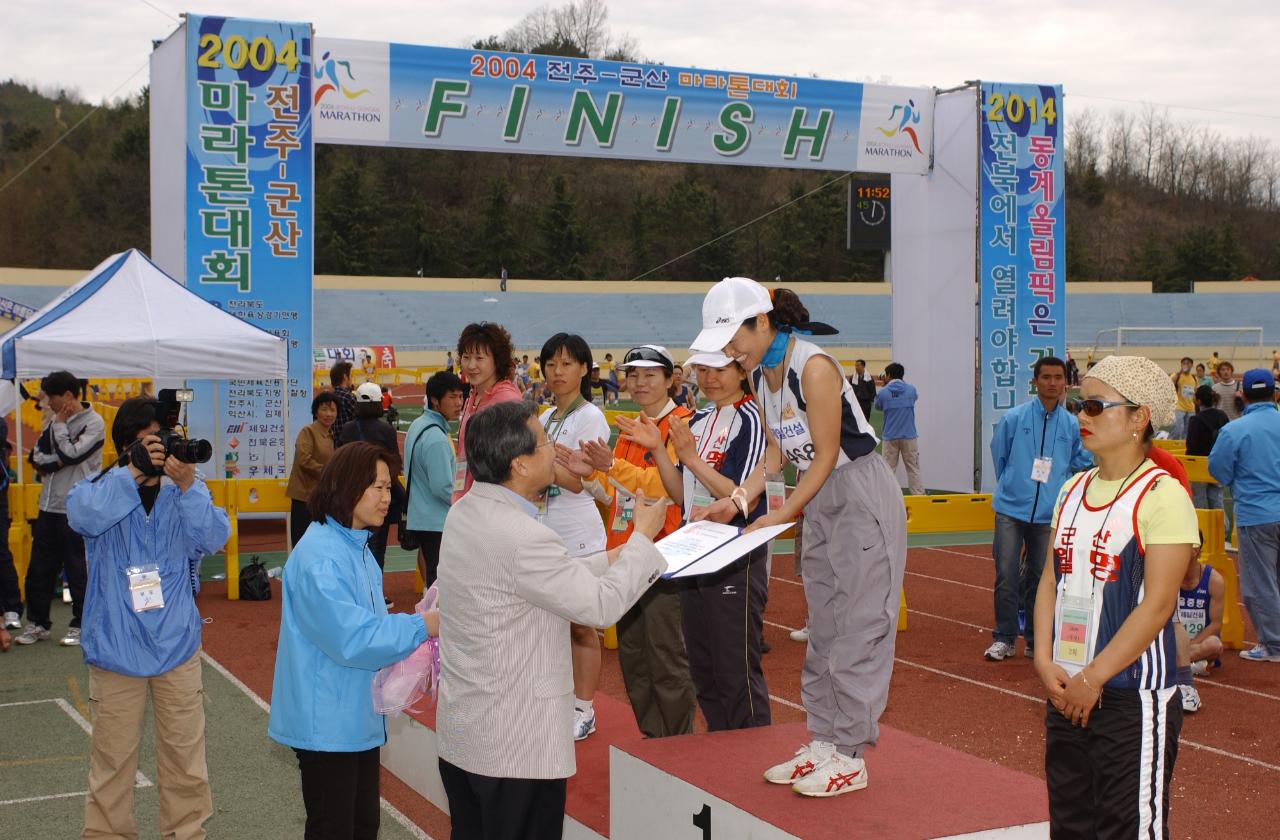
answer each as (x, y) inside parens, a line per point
(1035, 448)
(145, 530)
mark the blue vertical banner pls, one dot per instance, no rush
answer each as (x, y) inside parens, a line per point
(1021, 245)
(249, 190)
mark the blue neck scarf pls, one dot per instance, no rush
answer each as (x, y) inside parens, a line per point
(777, 350)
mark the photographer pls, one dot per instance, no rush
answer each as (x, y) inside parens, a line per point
(146, 526)
(66, 452)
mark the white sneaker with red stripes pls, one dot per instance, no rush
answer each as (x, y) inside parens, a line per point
(806, 759)
(837, 775)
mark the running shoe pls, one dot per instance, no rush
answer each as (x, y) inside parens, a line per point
(1190, 699)
(804, 762)
(999, 651)
(1259, 653)
(72, 639)
(584, 723)
(12, 621)
(31, 634)
(1200, 668)
(801, 635)
(837, 775)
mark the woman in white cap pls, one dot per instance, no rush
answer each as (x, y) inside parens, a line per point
(655, 666)
(723, 613)
(855, 548)
(1105, 644)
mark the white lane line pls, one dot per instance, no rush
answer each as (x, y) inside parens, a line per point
(986, 557)
(775, 698)
(950, 620)
(1040, 701)
(949, 580)
(25, 800)
(140, 780)
(392, 811)
(1241, 689)
(791, 581)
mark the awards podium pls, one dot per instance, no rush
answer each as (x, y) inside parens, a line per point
(710, 785)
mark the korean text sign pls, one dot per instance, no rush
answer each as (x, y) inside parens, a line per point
(475, 100)
(1022, 237)
(249, 216)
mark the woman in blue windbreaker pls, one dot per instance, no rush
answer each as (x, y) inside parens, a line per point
(335, 633)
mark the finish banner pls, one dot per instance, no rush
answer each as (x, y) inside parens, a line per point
(474, 100)
(249, 217)
(1021, 243)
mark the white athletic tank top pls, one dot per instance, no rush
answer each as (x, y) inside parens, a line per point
(784, 412)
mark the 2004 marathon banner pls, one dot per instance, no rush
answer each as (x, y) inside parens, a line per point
(249, 208)
(434, 97)
(1022, 236)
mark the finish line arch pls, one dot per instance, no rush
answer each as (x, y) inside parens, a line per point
(237, 106)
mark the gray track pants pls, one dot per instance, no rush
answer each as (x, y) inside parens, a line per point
(855, 552)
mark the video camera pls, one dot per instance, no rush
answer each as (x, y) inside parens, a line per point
(168, 406)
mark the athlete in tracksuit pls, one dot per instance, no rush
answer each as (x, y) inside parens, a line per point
(855, 525)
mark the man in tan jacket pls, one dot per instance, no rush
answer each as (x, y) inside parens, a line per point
(508, 591)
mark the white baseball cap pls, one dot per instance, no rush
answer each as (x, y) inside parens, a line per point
(711, 360)
(369, 392)
(729, 303)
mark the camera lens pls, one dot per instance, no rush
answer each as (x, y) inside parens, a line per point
(198, 451)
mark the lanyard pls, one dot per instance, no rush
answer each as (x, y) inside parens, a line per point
(559, 424)
(1084, 493)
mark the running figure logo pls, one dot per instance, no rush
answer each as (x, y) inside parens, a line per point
(909, 118)
(327, 76)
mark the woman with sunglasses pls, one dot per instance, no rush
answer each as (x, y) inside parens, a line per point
(485, 356)
(570, 510)
(855, 532)
(1105, 640)
(723, 613)
(651, 651)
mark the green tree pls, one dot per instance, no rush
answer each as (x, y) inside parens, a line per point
(1195, 257)
(564, 243)
(499, 238)
(1148, 261)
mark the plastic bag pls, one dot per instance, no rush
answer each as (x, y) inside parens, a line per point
(398, 686)
(255, 583)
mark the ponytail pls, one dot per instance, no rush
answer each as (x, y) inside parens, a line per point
(788, 311)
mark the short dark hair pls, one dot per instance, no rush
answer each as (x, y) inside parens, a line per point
(133, 415)
(1047, 361)
(576, 348)
(322, 398)
(60, 382)
(339, 373)
(368, 410)
(344, 479)
(441, 382)
(497, 436)
(894, 370)
(1186, 359)
(1206, 396)
(862, 362)
(492, 337)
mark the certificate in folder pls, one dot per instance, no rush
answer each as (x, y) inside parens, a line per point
(701, 548)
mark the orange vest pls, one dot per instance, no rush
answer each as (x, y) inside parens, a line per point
(635, 454)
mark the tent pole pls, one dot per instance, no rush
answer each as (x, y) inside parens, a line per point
(17, 418)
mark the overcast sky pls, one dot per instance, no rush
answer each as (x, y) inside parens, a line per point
(1223, 56)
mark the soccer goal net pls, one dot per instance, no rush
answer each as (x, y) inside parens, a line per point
(1242, 346)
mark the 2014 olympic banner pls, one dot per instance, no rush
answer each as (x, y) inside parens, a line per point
(249, 202)
(475, 100)
(1022, 237)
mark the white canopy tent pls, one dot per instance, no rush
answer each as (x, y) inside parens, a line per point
(127, 318)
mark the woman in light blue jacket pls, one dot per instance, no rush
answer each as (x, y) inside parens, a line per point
(335, 633)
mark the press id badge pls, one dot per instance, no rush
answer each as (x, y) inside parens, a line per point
(541, 504)
(1040, 469)
(459, 476)
(701, 501)
(775, 490)
(144, 587)
(1072, 626)
(624, 512)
